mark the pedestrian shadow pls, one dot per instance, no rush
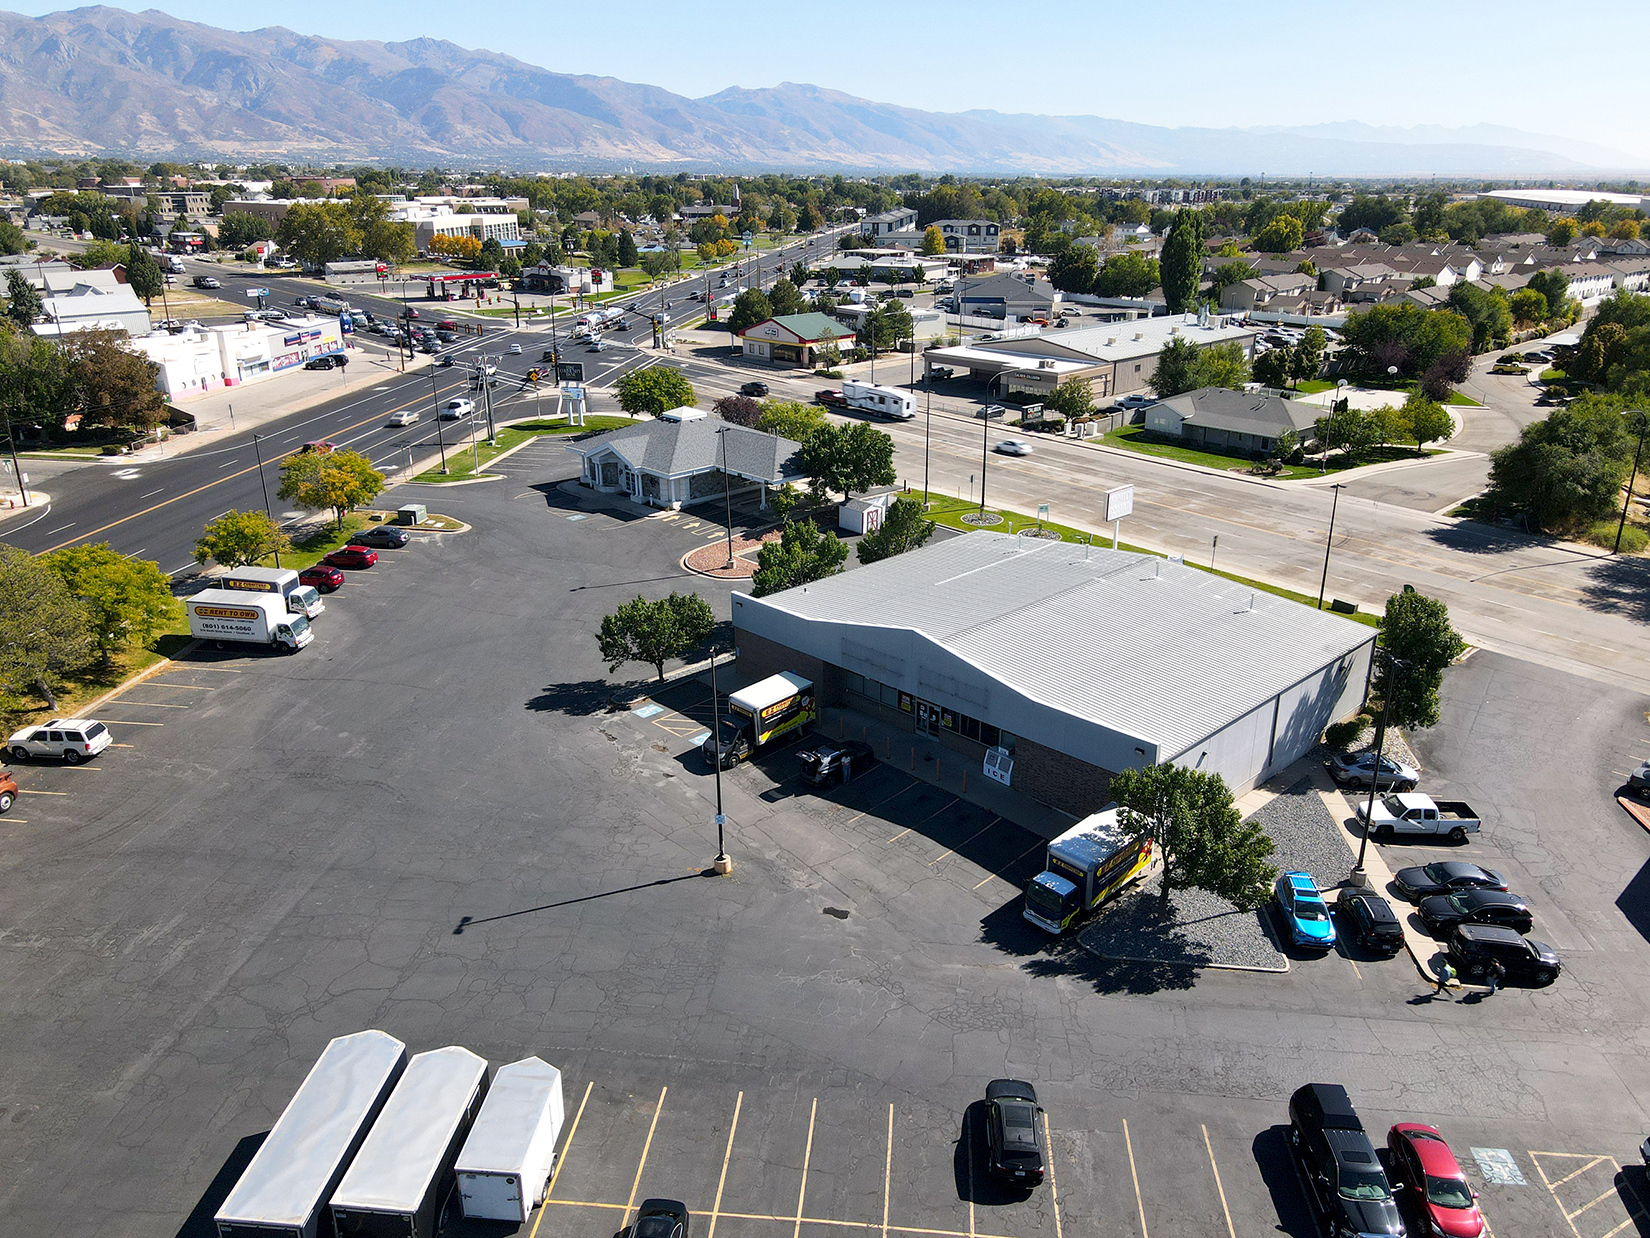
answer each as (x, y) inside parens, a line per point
(199, 1223)
(1277, 1170)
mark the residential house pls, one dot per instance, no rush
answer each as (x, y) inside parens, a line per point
(1590, 282)
(1249, 295)
(969, 236)
(1632, 274)
(794, 339)
(685, 457)
(1435, 297)
(1243, 421)
(1359, 282)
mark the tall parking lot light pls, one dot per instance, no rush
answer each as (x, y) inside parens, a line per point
(1394, 666)
(722, 864)
(1330, 540)
(267, 510)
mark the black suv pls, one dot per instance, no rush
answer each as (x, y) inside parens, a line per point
(1473, 947)
(1343, 1175)
(1369, 920)
(754, 388)
(1014, 1132)
(836, 758)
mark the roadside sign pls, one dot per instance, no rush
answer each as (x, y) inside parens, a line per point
(573, 393)
(257, 292)
(1119, 502)
(999, 766)
(570, 372)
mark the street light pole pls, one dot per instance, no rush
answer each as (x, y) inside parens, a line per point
(1329, 541)
(1637, 451)
(727, 493)
(723, 865)
(1323, 465)
(1393, 665)
(265, 485)
(927, 425)
(985, 453)
(435, 402)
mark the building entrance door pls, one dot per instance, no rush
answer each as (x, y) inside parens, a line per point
(928, 719)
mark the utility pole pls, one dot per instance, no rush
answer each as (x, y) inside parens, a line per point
(17, 469)
(435, 404)
(723, 865)
(265, 485)
(1330, 540)
(727, 492)
(1621, 524)
(487, 402)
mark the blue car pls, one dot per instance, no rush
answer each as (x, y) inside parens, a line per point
(1305, 912)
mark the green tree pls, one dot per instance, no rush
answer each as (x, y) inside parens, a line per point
(785, 299)
(125, 600)
(113, 385)
(803, 554)
(1280, 236)
(847, 457)
(655, 390)
(1562, 232)
(1416, 631)
(800, 273)
(933, 241)
(1074, 269)
(1404, 335)
(1566, 470)
(13, 240)
(1487, 312)
(98, 255)
(236, 539)
(1271, 368)
(791, 419)
(241, 229)
(1070, 399)
(339, 479)
(627, 256)
(1527, 307)
(749, 308)
(654, 632)
(1352, 430)
(904, 528)
(1554, 285)
(1306, 357)
(1181, 263)
(23, 302)
(1229, 273)
(1127, 275)
(886, 325)
(1176, 368)
(1428, 421)
(1196, 830)
(42, 628)
(143, 273)
(319, 232)
(1221, 365)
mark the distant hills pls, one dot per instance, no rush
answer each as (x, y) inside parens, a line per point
(102, 81)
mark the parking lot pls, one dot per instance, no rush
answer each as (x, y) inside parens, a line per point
(433, 822)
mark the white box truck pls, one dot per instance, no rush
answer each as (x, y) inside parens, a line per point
(755, 715)
(284, 1191)
(232, 616)
(884, 401)
(1095, 859)
(507, 1159)
(401, 1176)
(301, 599)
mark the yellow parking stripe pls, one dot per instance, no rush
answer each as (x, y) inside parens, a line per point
(562, 1159)
(807, 1156)
(1139, 1202)
(642, 1164)
(733, 1127)
(1231, 1232)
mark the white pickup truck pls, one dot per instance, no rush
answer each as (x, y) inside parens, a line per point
(1413, 813)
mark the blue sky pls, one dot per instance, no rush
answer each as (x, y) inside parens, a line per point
(1181, 62)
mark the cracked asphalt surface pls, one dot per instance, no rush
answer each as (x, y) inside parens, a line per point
(429, 822)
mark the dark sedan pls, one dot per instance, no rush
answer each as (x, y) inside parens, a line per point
(1446, 877)
(383, 536)
(1014, 1132)
(660, 1218)
(1443, 912)
(321, 577)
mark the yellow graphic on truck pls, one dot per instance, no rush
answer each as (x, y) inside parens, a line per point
(758, 714)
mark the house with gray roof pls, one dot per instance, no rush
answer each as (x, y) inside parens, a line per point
(1226, 420)
(681, 458)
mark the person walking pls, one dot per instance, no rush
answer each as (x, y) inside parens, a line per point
(1446, 976)
(1496, 975)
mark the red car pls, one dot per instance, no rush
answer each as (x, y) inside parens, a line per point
(326, 579)
(1427, 1177)
(351, 556)
(834, 398)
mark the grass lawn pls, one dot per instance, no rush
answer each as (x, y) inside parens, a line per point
(1138, 438)
(1455, 397)
(950, 512)
(59, 453)
(93, 681)
(1314, 385)
(462, 462)
(1552, 375)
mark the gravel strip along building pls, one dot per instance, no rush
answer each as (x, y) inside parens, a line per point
(1077, 661)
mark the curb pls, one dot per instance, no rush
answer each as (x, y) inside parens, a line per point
(133, 680)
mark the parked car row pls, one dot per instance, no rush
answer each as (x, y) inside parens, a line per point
(1482, 921)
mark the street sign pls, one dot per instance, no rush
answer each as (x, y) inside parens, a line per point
(257, 292)
(722, 818)
(573, 393)
(570, 372)
(1119, 502)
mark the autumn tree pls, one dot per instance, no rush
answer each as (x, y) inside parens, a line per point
(236, 539)
(339, 479)
(933, 241)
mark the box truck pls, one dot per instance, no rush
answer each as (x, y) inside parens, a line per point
(758, 714)
(285, 1189)
(301, 599)
(401, 1176)
(507, 1159)
(1096, 858)
(884, 401)
(232, 616)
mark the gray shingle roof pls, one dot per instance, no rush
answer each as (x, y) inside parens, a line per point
(674, 448)
(1183, 653)
(1245, 412)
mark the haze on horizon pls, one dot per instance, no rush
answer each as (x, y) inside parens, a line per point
(1176, 63)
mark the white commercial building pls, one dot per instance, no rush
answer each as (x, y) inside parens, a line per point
(201, 360)
(1567, 201)
(82, 300)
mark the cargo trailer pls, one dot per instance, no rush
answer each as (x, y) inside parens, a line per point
(285, 1189)
(404, 1171)
(512, 1147)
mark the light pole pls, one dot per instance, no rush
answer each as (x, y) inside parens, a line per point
(1637, 451)
(265, 485)
(991, 410)
(435, 401)
(927, 425)
(1323, 466)
(1329, 541)
(727, 493)
(723, 865)
(1393, 665)
(17, 469)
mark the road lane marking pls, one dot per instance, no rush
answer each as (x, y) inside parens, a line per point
(60, 528)
(1053, 1185)
(562, 1159)
(1139, 1202)
(1230, 1230)
(888, 1173)
(150, 704)
(32, 791)
(733, 1128)
(193, 687)
(642, 1164)
(153, 493)
(807, 1156)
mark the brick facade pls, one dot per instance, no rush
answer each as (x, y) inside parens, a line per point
(760, 657)
(1058, 780)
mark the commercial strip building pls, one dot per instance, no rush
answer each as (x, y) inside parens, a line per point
(205, 359)
(794, 339)
(82, 300)
(1116, 358)
(1079, 662)
(682, 458)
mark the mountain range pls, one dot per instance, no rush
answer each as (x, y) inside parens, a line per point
(103, 81)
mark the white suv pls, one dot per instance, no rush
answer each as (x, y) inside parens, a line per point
(72, 739)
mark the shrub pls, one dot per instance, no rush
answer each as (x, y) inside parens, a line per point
(1633, 538)
(112, 449)
(1341, 734)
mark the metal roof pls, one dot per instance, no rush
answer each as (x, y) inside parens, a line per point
(1148, 648)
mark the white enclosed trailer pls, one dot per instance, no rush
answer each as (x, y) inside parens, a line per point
(404, 1170)
(508, 1157)
(285, 1189)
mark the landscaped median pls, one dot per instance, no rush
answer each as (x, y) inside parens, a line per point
(465, 464)
(961, 514)
(1146, 443)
